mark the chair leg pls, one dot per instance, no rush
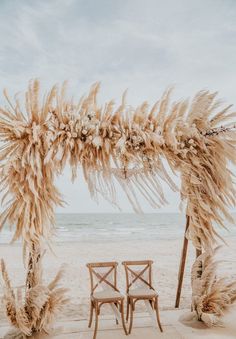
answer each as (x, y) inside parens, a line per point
(131, 315)
(117, 322)
(127, 309)
(123, 316)
(158, 315)
(96, 322)
(91, 314)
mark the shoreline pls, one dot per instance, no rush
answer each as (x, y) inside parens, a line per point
(228, 238)
(75, 255)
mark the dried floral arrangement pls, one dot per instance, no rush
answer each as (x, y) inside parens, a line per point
(123, 145)
(34, 308)
(211, 296)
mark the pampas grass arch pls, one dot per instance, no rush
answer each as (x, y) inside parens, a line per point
(112, 144)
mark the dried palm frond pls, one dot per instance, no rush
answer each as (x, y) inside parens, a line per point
(135, 141)
(211, 296)
(24, 176)
(106, 141)
(125, 145)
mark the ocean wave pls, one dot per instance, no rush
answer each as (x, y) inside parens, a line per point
(117, 227)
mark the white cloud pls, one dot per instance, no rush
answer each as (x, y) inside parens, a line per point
(142, 45)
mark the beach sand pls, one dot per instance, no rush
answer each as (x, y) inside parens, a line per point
(166, 255)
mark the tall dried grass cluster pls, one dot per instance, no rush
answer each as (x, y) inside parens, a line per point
(124, 145)
(34, 308)
(212, 296)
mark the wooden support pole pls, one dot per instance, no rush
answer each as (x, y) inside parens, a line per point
(34, 269)
(182, 264)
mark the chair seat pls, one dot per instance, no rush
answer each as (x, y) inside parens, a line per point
(107, 295)
(142, 292)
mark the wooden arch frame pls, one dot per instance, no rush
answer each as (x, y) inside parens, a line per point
(122, 144)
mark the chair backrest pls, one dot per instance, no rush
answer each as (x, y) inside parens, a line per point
(103, 275)
(138, 273)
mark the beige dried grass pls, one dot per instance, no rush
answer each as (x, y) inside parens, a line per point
(121, 145)
(34, 308)
(212, 296)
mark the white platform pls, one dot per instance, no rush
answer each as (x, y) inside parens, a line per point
(142, 329)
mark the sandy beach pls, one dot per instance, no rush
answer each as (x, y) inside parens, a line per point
(75, 255)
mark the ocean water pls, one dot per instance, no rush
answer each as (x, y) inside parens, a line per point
(117, 227)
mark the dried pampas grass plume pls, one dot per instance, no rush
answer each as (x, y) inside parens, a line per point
(33, 309)
(211, 296)
(122, 145)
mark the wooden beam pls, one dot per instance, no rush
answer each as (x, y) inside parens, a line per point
(182, 264)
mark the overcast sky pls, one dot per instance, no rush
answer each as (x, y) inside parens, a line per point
(141, 45)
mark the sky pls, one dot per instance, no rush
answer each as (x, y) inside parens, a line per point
(144, 46)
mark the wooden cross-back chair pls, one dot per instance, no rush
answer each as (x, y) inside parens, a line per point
(139, 287)
(103, 278)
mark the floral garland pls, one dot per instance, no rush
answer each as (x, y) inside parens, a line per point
(121, 145)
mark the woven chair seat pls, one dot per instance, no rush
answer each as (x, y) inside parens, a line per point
(107, 295)
(142, 292)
